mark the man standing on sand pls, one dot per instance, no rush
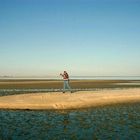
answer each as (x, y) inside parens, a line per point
(66, 81)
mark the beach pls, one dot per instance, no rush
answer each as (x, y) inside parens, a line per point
(76, 100)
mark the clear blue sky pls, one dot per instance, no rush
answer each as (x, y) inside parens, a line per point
(84, 37)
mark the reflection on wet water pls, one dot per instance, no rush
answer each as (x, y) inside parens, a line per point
(116, 122)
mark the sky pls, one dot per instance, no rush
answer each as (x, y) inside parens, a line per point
(83, 37)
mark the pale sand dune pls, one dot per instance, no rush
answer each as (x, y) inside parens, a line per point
(81, 99)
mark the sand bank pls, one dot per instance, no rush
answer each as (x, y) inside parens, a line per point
(59, 100)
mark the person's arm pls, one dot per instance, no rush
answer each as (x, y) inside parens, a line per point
(61, 75)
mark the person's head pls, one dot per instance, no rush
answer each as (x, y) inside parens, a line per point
(65, 72)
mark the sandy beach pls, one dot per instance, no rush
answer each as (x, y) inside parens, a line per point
(77, 100)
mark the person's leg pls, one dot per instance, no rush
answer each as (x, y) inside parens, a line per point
(64, 86)
(68, 86)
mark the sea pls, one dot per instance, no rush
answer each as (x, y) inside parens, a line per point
(73, 78)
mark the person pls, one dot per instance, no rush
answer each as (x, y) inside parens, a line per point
(66, 85)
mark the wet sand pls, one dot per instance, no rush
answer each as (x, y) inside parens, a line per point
(77, 100)
(38, 84)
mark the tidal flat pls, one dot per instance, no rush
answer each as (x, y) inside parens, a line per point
(116, 122)
(58, 84)
(20, 86)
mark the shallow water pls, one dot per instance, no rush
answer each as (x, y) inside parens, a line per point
(4, 92)
(103, 123)
(130, 84)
